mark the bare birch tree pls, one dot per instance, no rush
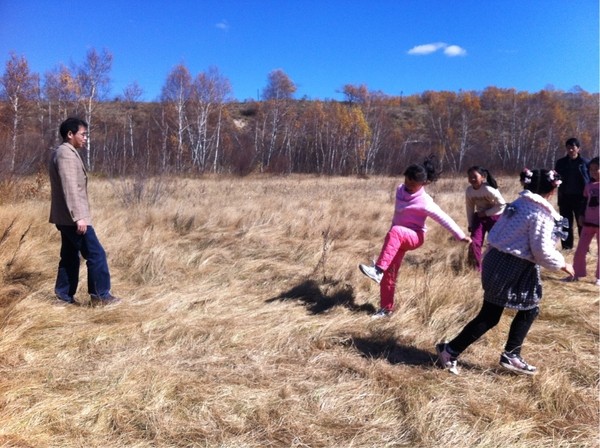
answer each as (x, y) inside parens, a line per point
(176, 94)
(131, 95)
(210, 91)
(93, 82)
(19, 86)
(277, 94)
(60, 91)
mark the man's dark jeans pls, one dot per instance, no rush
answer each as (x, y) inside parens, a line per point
(90, 248)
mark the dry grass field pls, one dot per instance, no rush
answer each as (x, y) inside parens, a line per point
(246, 323)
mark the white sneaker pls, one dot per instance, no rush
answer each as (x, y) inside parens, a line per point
(373, 272)
(381, 314)
(598, 282)
(445, 359)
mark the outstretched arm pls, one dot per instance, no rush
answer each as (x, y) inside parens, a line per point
(441, 217)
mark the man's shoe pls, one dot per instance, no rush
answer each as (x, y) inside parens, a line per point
(515, 363)
(64, 301)
(108, 300)
(445, 359)
(373, 272)
(381, 314)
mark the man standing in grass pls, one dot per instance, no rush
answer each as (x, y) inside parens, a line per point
(574, 174)
(70, 212)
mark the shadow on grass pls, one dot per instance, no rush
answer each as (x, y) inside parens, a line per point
(320, 299)
(389, 349)
(317, 299)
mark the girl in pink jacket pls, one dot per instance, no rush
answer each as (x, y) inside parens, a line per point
(413, 207)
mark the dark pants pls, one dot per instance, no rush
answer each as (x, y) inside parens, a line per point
(488, 317)
(90, 248)
(571, 206)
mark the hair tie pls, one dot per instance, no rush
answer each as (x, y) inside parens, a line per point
(527, 175)
(553, 178)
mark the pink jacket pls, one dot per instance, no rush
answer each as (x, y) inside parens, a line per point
(591, 194)
(413, 209)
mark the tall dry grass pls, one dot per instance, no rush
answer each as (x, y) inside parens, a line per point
(246, 323)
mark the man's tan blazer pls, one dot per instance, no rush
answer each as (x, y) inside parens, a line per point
(68, 184)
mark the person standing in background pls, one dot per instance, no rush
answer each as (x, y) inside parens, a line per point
(590, 220)
(574, 174)
(484, 205)
(70, 212)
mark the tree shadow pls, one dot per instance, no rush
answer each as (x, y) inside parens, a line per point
(319, 299)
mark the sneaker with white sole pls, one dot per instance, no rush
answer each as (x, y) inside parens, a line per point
(381, 314)
(373, 272)
(445, 359)
(515, 363)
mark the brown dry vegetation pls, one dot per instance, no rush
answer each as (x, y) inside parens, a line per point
(246, 323)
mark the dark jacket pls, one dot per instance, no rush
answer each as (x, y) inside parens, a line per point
(562, 168)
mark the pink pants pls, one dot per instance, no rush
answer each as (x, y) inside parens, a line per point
(585, 239)
(397, 242)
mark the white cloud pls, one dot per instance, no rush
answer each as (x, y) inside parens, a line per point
(223, 25)
(449, 50)
(427, 48)
(454, 50)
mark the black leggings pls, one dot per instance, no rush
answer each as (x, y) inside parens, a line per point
(488, 318)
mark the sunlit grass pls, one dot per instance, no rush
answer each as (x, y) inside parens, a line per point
(246, 323)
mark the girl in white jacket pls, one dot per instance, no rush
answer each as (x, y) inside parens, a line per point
(484, 205)
(523, 239)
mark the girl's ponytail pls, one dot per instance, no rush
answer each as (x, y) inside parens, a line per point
(490, 180)
(430, 167)
(425, 172)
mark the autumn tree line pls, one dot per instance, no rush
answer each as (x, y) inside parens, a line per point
(197, 127)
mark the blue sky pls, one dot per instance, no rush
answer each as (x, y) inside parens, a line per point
(399, 47)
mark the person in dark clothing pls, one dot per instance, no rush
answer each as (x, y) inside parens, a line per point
(574, 174)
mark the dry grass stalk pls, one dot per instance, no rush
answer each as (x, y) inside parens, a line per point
(246, 323)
